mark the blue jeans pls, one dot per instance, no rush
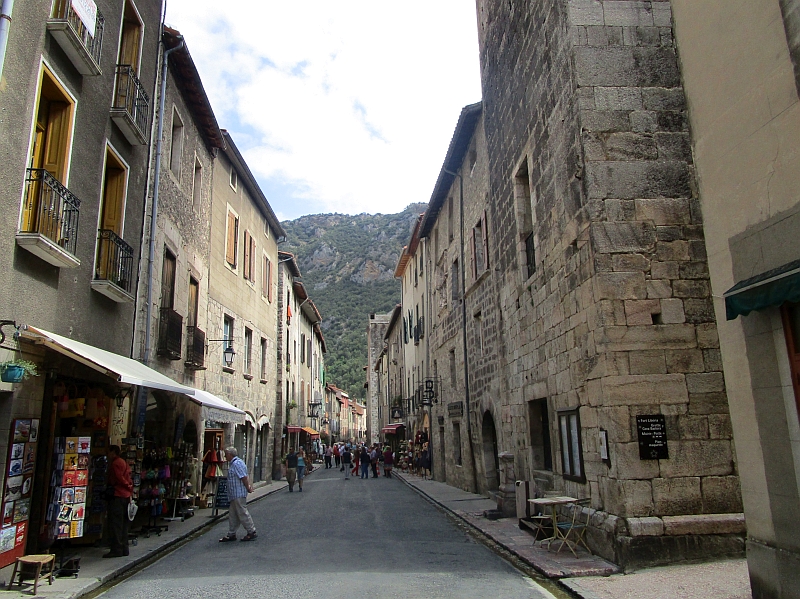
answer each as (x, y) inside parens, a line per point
(301, 472)
(364, 469)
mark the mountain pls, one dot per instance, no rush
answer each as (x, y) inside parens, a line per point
(347, 263)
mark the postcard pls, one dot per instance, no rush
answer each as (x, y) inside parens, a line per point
(78, 511)
(7, 538)
(15, 467)
(83, 461)
(17, 449)
(30, 457)
(8, 513)
(80, 494)
(33, 433)
(63, 530)
(81, 478)
(68, 495)
(84, 444)
(68, 479)
(22, 510)
(13, 488)
(76, 529)
(22, 431)
(27, 486)
(71, 461)
(65, 514)
(72, 445)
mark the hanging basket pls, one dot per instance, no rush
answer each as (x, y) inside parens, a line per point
(12, 373)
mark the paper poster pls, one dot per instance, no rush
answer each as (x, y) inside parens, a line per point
(27, 486)
(76, 529)
(22, 510)
(63, 530)
(80, 495)
(15, 467)
(17, 451)
(65, 514)
(71, 461)
(83, 461)
(8, 513)
(13, 489)
(67, 495)
(68, 480)
(87, 13)
(72, 445)
(20, 537)
(33, 433)
(81, 478)
(78, 511)
(7, 537)
(29, 458)
(84, 444)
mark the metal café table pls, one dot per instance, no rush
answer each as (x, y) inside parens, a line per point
(544, 503)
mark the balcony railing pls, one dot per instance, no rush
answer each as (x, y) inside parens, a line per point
(195, 348)
(51, 210)
(81, 45)
(131, 108)
(114, 260)
(170, 331)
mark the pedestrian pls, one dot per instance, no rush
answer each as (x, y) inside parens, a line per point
(365, 462)
(337, 456)
(291, 469)
(356, 460)
(347, 458)
(425, 461)
(328, 457)
(301, 468)
(388, 462)
(373, 460)
(119, 490)
(238, 488)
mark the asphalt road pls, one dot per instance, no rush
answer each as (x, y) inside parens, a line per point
(355, 539)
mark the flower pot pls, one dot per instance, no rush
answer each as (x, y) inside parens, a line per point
(12, 373)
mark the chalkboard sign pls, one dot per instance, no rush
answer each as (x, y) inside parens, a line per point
(221, 500)
(652, 431)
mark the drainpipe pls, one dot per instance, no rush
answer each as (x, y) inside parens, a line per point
(464, 324)
(5, 25)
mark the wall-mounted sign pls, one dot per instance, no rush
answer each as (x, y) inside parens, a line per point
(604, 447)
(397, 412)
(87, 13)
(652, 432)
(455, 409)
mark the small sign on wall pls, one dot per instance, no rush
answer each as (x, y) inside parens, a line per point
(87, 13)
(652, 433)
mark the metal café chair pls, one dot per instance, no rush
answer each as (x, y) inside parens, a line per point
(572, 530)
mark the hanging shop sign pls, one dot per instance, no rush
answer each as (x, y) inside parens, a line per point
(397, 412)
(652, 433)
(21, 460)
(455, 409)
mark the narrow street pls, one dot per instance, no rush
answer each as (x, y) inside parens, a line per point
(355, 539)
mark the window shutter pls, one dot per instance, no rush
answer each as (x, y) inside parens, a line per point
(230, 251)
(264, 277)
(474, 257)
(269, 280)
(485, 243)
(247, 255)
(253, 259)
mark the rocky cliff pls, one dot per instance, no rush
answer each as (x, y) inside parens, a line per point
(347, 263)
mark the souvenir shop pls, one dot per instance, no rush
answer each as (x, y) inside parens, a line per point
(55, 471)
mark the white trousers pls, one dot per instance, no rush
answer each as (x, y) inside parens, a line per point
(238, 514)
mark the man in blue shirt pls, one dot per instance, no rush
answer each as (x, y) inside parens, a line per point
(238, 488)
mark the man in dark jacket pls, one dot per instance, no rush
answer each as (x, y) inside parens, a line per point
(119, 478)
(347, 462)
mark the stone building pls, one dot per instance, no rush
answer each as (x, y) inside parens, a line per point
(742, 84)
(376, 329)
(243, 305)
(572, 324)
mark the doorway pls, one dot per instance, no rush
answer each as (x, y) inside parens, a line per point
(491, 461)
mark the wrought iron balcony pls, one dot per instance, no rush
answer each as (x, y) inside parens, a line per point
(50, 223)
(195, 348)
(113, 276)
(79, 42)
(170, 332)
(131, 107)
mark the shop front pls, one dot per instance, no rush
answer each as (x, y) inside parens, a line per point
(84, 400)
(394, 434)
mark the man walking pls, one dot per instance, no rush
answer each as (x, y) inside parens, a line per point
(328, 457)
(337, 456)
(373, 460)
(347, 459)
(238, 488)
(119, 479)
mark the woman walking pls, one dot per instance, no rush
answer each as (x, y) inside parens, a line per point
(301, 467)
(365, 461)
(356, 460)
(388, 462)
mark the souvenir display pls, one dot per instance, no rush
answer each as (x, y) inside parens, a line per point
(16, 499)
(67, 508)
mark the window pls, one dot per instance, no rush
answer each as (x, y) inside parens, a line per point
(131, 38)
(197, 184)
(248, 350)
(176, 146)
(194, 294)
(454, 275)
(450, 222)
(457, 443)
(266, 279)
(232, 238)
(112, 212)
(452, 367)
(525, 216)
(266, 228)
(227, 335)
(569, 425)
(539, 423)
(302, 348)
(168, 280)
(478, 320)
(308, 352)
(480, 248)
(263, 359)
(234, 180)
(249, 257)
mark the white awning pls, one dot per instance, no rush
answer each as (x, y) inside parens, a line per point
(125, 370)
(217, 409)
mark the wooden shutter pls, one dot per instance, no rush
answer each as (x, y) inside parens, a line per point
(252, 259)
(264, 266)
(485, 242)
(474, 257)
(269, 280)
(247, 255)
(230, 250)
(113, 199)
(57, 140)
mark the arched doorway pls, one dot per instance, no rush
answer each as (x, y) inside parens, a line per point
(491, 462)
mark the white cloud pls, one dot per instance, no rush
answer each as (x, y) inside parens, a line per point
(337, 106)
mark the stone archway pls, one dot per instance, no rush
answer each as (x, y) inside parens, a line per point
(491, 461)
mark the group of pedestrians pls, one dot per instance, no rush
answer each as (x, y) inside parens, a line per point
(296, 468)
(359, 459)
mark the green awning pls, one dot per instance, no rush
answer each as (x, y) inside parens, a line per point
(771, 288)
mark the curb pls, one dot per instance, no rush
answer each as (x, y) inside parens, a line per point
(561, 582)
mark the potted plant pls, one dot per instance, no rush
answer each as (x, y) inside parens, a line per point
(291, 405)
(15, 371)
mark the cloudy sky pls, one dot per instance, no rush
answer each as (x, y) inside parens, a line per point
(338, 106)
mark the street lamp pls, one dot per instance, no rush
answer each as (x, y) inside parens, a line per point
(228, 355)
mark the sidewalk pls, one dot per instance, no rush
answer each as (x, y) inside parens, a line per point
(96, 571)
(588, 576)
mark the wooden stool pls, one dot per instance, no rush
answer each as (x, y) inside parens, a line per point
(37, 561)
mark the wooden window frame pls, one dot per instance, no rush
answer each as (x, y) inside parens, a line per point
(248, 351)
(231, 239)
(572, 442)
(248, 270)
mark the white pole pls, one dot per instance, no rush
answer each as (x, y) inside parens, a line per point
(5, 25)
